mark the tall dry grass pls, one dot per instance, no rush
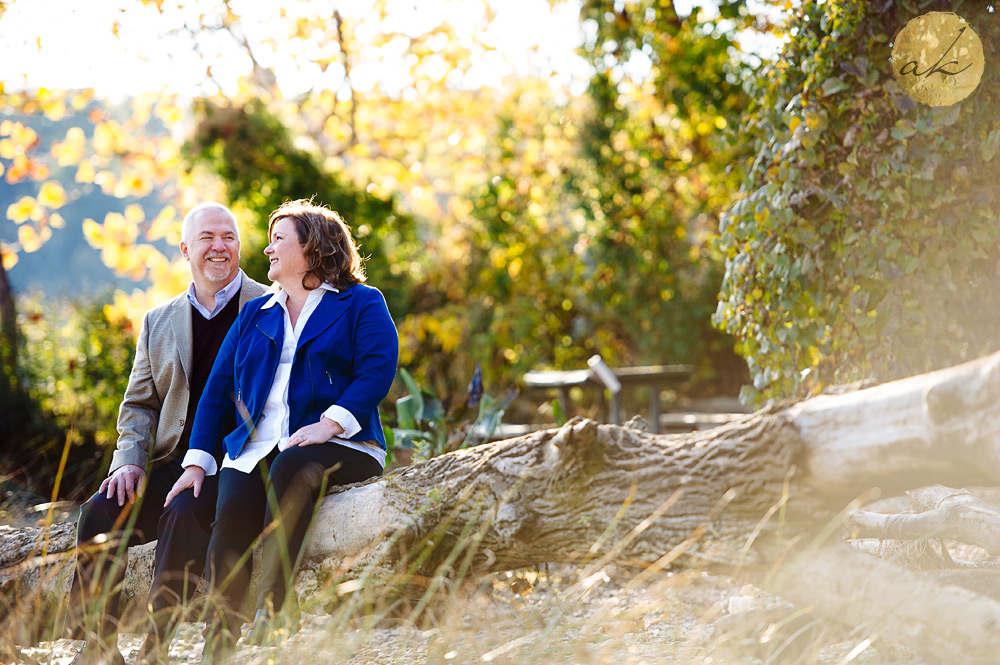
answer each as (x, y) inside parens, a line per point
(592, 612)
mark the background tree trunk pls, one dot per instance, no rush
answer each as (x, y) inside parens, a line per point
(8, 333)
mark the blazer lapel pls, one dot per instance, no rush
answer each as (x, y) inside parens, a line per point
(180, 322)
(271, 322)
(328, 311)
(250, 290)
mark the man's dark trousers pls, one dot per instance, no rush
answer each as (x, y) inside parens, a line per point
(182, 531)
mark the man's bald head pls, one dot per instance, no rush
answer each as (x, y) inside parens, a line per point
(205, 209)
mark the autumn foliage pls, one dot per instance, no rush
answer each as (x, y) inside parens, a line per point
(531, 221)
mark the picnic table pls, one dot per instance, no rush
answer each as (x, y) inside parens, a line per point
(600, 377)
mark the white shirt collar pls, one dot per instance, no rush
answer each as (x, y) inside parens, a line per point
(222, 296)
(280, 296)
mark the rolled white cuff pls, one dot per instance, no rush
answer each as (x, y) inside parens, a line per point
(343, 417)
(200, 458)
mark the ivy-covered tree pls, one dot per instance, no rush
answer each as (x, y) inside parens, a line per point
(864, 243)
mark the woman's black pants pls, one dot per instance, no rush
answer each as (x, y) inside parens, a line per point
(277, 500)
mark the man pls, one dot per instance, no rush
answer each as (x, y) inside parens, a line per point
(177, 346)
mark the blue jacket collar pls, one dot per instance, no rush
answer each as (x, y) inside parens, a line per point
(331, 307)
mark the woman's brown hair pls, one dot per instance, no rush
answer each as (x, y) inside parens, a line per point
(329, 249)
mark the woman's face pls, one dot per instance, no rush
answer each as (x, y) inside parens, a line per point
(288, 263)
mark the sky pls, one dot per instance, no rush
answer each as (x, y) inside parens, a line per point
(120, 48)
(70, 44)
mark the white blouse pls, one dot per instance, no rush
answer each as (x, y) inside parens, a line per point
(272, 427)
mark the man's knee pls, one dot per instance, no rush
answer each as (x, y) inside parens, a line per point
(100, 515)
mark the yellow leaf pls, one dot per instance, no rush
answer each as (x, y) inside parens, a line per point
(56, 221)
(28, 237)
(70, 150)
(17, 171)
(111, 255)
(108, 138)
(55, 111)
(22, 210)
(514, 267)
(120, 229)
(795, 122)
(23, 136)
(134, 213)
(52, 195)
(7, 149)
(141, 108)
(81, 99)
(39, 171)
(93, 232)
(9, 257)
(135, 184)
(170, 114)
(85, 172)
(107, 182)
(162, 224)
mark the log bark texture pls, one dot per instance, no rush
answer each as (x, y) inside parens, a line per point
(550, 496)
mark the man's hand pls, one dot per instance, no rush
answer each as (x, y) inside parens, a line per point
(128, 481)
(320, 432)
(193, 476)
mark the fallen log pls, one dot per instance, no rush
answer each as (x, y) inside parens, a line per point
(741, 498)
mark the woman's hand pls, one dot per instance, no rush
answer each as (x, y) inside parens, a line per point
(193, 476)
(320, 432)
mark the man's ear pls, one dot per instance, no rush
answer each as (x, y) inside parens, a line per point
(184, 250)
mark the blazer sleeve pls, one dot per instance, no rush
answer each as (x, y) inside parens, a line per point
(376, 353)
(216, 414)
(139, 412)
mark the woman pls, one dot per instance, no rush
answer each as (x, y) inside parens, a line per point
(291, 404)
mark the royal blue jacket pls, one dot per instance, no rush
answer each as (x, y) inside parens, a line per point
(346, 355)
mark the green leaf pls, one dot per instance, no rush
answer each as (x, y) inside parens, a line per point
(988, 148)
(415, 394)
(406, 412)
(832, 86)
(558, 413)
(903, 129)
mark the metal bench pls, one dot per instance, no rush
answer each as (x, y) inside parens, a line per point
(600, 377)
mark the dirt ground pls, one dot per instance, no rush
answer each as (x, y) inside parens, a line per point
(551, 615)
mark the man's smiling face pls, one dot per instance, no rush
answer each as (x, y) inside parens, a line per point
(213, 247)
